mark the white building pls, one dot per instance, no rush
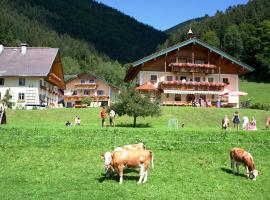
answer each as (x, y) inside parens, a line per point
(33, 75)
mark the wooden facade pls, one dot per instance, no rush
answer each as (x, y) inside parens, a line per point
(189, 68)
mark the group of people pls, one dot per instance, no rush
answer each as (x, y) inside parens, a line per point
(103, 115)
(247, 125)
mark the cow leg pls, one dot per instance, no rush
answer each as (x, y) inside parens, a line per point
(120, 172)
(141, 173)
(233, 165)
(237, 167)
(247, 172)
(145, 176)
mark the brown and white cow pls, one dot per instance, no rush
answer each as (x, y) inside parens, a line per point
(267, 122)
(240, 156)
(130, 147)
(118, 160)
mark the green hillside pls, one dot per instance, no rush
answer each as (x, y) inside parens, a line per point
(257, 92)
(43, 159)
(243, 31)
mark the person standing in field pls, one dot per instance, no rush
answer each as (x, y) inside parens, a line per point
(112, 117)
(236, 120)
(103, 117)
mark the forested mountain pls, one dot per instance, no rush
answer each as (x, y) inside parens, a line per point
(184, 24)
(242, 31)
(90, 35)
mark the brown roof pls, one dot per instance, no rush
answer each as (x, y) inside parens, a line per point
(35, 62)
(146, 86)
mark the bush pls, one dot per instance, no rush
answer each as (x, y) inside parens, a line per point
(260, 106)
(87, 101)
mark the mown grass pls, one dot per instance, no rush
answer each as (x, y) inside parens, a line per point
(257, 92)
(42, 159)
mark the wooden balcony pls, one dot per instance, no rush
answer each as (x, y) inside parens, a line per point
(80, 97)
(192, 67)
(90, 86)
(192, 86)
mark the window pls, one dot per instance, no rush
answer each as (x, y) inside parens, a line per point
(91, 81)
(177, 97)
(100, 92)
(210, 79)
(153, 78)
(2, 81)
(226, 80)
(167, 96)
(197, 79)
(82, 81)
(86, 92)
(169, 78)
(74, 92)
(183, 77)
(21, 81)
(21, 96)
(40, 83)
(182, 60)
(199, 61)
(176, 78)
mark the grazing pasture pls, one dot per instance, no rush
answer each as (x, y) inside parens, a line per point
(43, 159)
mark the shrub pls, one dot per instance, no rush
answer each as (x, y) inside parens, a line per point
(87, 101)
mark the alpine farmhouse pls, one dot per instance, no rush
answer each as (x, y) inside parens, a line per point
(189, 72)
(85, 85)
(33, 75)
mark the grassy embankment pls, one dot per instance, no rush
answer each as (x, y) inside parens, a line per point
(42, 159)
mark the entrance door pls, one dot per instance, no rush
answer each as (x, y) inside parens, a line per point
(190, 97)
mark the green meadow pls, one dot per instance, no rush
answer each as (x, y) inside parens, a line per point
(43, 159)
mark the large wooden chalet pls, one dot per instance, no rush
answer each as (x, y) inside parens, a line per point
(187, 72)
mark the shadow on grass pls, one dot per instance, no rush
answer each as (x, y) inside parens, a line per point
(131, 125)
(115, 177)
(229, 171)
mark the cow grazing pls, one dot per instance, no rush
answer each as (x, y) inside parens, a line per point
(225, 122)
(267, 122)
(118, 160)
(240, 156)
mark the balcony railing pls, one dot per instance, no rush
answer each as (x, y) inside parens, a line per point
(80, 97)
(86, 86)
(200, 86)
(192, 67)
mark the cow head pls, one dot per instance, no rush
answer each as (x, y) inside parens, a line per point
(107, 163)
(253, 174)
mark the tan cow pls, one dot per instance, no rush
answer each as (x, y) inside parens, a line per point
(267, 122)
(130, 147)
(240, 156)
(135, 158)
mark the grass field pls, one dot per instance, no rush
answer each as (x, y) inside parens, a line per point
(42, 159)
(257, 92)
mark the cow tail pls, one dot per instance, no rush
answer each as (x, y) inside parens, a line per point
(152, 159)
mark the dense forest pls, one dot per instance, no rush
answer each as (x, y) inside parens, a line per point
(242, 31)
(91, 36)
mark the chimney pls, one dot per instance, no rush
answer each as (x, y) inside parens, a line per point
(23, 48)
(1, 48)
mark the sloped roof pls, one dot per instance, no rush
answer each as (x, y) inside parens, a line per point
(69, 78)
(36, 61)
(146, 86)
(187, 42)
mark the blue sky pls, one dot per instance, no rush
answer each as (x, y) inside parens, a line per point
(163, 14)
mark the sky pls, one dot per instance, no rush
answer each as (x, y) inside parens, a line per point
(164, 14)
